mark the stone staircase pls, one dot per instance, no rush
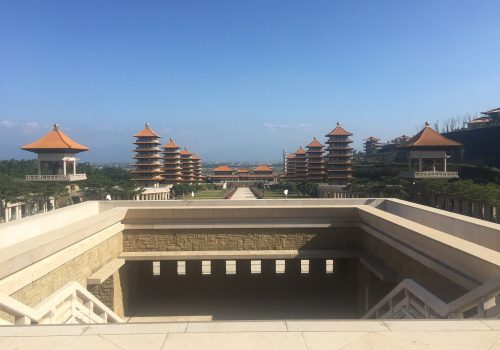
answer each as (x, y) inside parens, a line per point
(72, 304)
(409, 300)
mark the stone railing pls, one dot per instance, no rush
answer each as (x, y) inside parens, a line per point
(429, 174)
(68, 177)
(71, 304)
(410, 300)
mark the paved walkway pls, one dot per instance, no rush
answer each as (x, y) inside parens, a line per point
(243, 193)
(289, 335)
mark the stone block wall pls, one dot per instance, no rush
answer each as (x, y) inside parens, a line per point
(406, 267)
(239, 239)
(78, 269)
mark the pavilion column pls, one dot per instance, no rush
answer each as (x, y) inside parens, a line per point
(74, 167)
(39, 167)
(420, 164)
(18, 212)
(445, 164)
(64, 167)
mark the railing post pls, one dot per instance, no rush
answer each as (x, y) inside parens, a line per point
(480, 308)
(22, 320)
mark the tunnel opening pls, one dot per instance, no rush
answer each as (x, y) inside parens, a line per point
(245, 290)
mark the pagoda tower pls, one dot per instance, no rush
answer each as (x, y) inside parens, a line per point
(56, 157)
(196, 168)
(187, 174)
(339, 158)
(290, 167)
(171, 163)
(315, 161)
(148, 167)
(300, 162)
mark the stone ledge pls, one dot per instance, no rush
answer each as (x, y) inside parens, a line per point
(107, 270)
(240, 254)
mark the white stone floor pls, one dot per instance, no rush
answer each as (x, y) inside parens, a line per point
(243, 193)
(289, 335)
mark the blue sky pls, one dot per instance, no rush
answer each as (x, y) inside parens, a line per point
(240, 80)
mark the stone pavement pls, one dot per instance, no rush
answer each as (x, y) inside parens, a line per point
(243, 193)
(289, 335)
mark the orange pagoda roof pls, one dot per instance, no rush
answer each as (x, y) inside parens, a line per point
(185, 152)
(223, 168)
(147, 132)
(171, 144)
(243, 170)
(300, 151)
(291, 156)
(263, 168)
(55, 140)
(196, 157)
(428, 137)
(315, 143)
(339, 131)
(372, 138)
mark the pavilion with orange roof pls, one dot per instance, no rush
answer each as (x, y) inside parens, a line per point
(300, 163)
(148, 167)
(171, 163)
(428, 154)
(315, 161)
(187, 174)
(339, 157)
(56, 157)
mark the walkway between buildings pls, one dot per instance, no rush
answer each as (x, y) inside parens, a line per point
(243, 193)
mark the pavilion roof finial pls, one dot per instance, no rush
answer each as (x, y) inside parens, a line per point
(148, 125)
(427, 124)
(56, 126)
(338, 123)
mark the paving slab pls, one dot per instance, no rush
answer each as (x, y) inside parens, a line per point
(229, 327)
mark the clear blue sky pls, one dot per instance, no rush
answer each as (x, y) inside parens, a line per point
(240, 80)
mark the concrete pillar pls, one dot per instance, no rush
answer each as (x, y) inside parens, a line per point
(445, 164)
(74, 167)
(243, 267)
(193, 268)
(7, 214)
(18, 212)
(64, 167)
(292, 267)
(317, 267)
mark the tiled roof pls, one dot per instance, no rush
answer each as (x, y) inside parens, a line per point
(55, 140)
(428, 137)
(291, 156)
(300, 151)
(315, 143)
(223, 168)
(263, 168)
(339, 131)
(146, 132)
(496, 110)
(171, 144)
(371, 138)
(196, 157)
(185, 152)
(242, 170)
